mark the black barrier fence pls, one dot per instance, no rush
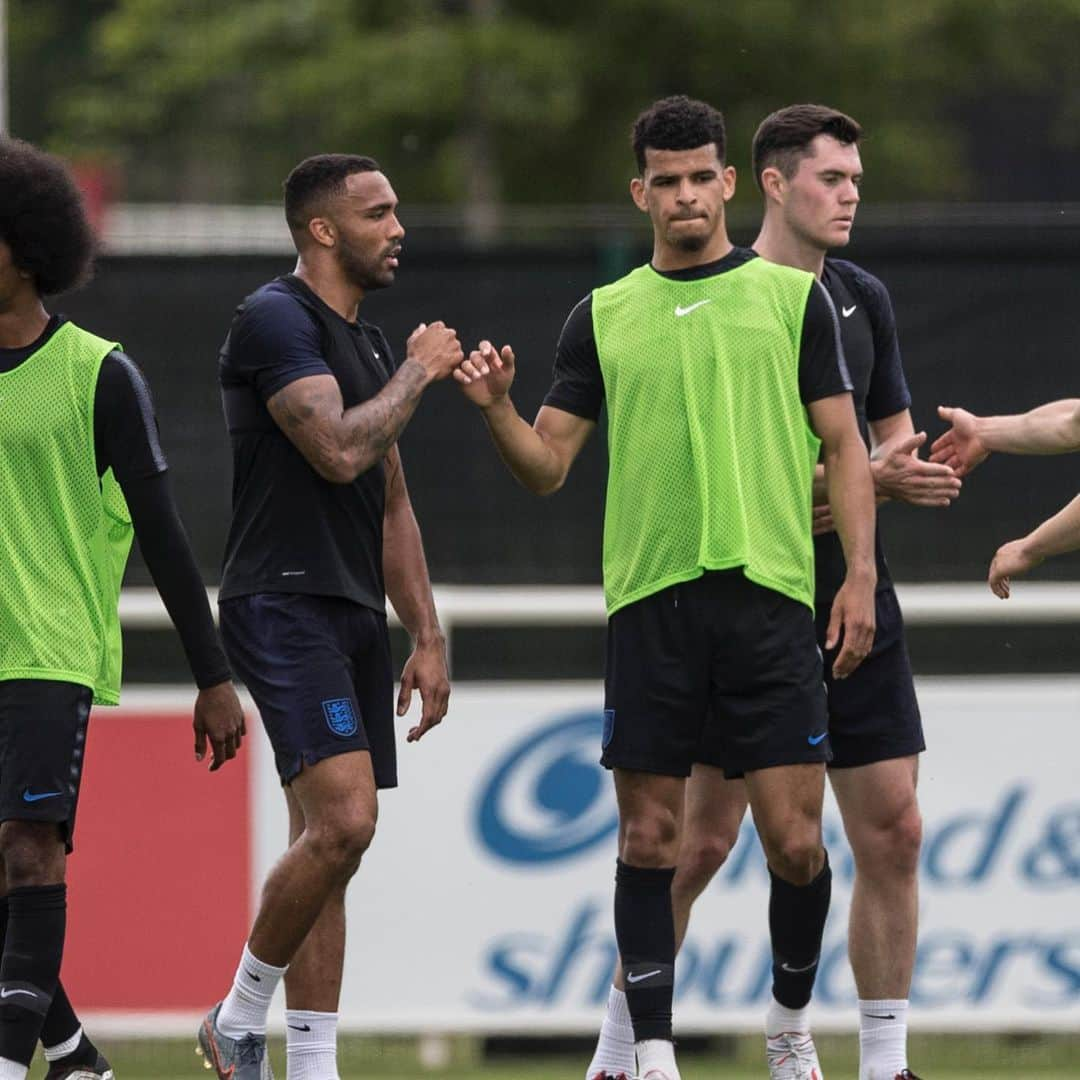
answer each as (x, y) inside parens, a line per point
(986, 318)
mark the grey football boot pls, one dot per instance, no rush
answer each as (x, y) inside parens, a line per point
(233, 1059)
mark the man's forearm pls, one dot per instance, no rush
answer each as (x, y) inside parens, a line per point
(523, 449)
(1058, 534)
(1049, 429)
(851, 500)
(405, 569)
(373, 426)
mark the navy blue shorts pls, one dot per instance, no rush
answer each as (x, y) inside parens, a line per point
(42, 751)
(873, 713)
(319, 671)
(719, 670)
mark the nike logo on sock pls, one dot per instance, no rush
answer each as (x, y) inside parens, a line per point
(639, 978)
(879, 1016)
(306, 1027)
(255, 978)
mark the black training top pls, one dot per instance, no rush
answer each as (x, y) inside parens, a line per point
(578, 384)
(126, 439)
(291, 530)
(872, 352)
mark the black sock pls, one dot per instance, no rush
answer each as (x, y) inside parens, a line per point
(61, 1023)
(30, 968)
(796, 924)
(645, 931)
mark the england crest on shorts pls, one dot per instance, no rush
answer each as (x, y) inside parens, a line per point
(340, 716)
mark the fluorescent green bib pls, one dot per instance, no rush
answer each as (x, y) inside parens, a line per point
(711, 455)
(64, 535)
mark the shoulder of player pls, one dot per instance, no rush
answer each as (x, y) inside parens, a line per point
(272, 309)
(855, 277)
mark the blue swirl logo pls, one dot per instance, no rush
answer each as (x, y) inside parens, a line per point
(548, 798)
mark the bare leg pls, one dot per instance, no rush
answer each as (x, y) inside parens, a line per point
(313, 981)
(338, 802)
(883, 825)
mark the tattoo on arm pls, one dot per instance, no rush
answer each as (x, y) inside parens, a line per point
(338, 443)
(374, 426)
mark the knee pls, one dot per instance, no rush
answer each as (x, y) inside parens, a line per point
(699, 859)
(342, 842)
(797, 856)
(650, 840)
(891, 850)
(33, 853)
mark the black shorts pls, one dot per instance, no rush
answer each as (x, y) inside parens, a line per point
(873, 713)
(319, 671)
(42, 750)
(715, 669)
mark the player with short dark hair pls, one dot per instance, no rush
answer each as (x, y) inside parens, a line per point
(322, 532)
(806, 163)
(722, 375)
(81, 471)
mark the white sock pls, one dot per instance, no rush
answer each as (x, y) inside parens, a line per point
(12, 1070)
(658, 1054)
(245, 1007)
(614, 1051)
(780, 1019)
(69, 1046)
(311, 1045)
(882, 1039)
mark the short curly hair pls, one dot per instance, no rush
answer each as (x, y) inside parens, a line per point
(42, 218)
(678, 123)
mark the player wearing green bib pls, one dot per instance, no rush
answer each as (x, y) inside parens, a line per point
(81, 470)
(722, 376)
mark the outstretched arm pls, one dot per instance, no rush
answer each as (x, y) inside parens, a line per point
(539, 456)
(1049, 429)
(409, 589)
(1055, 536)
(341, 443)
(851, 498)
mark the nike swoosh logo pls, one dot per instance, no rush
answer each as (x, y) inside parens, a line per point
(798, 970)
(251, 975)
(646, 975)
(10, 993)
(29, 796)
(306, 1027)
(813, 740)
(878, 1016)
(847, 312)
(680, 311)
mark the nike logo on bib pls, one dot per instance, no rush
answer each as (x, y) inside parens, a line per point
(680, 311)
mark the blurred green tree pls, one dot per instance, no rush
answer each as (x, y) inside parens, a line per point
(482, 101)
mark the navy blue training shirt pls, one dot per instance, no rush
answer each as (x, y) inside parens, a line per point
(291, 530)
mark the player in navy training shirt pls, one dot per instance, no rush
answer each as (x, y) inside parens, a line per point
(322, 531)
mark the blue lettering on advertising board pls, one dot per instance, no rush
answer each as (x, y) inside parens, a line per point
(574, 965)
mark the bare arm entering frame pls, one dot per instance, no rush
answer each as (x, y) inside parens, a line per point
(339, 443)
(539, 456)
(1055, 536)
(1049, 429)
(851, 498)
